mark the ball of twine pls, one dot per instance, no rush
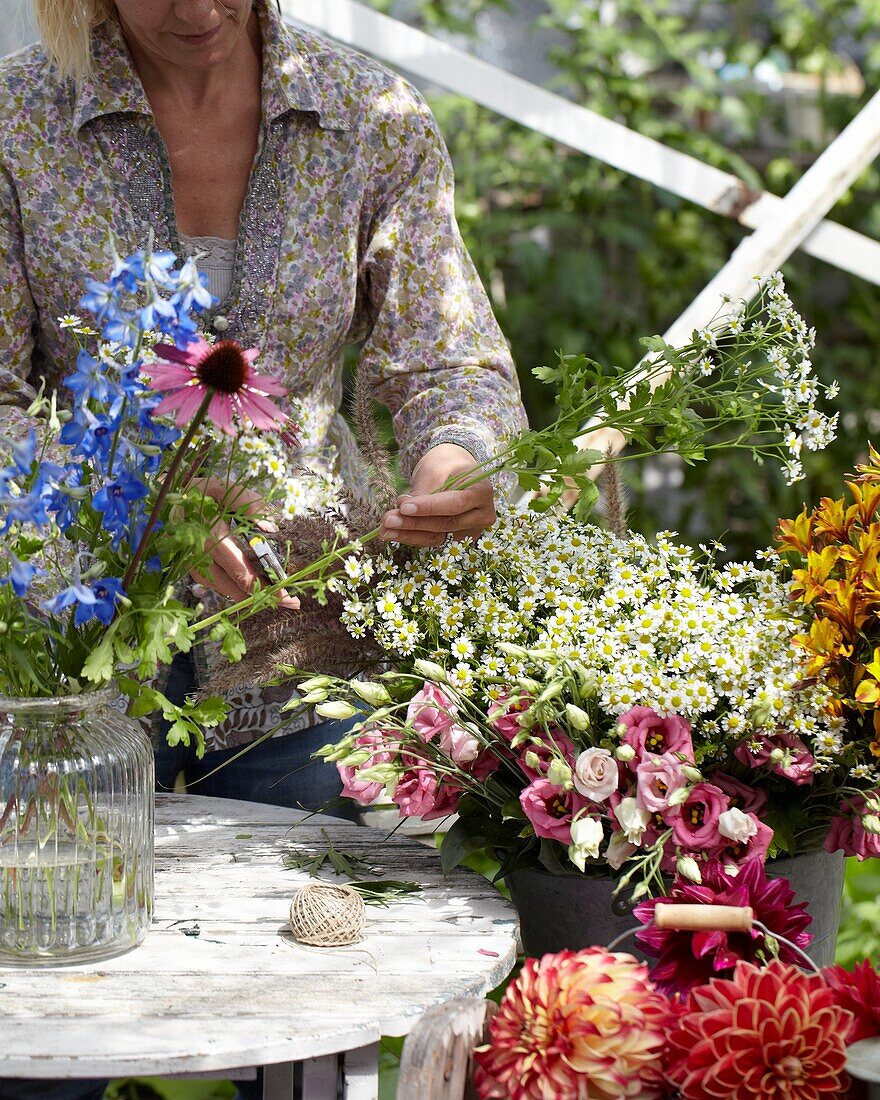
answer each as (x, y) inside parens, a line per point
(327, 916)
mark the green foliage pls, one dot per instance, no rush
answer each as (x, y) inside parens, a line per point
(578, 256)
(860, 920)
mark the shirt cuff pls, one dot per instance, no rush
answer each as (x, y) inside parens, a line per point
(472, 441)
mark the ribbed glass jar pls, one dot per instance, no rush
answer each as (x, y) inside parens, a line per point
(76, 830)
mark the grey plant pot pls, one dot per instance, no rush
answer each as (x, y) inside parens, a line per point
(573, 911)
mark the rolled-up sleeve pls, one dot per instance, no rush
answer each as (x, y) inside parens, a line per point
(434, 352)
(17, 314)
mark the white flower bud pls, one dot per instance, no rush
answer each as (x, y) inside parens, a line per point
(511, 650)
(528, 684)
(430, 670)
(586, 836)
(551, 691)
(335, 709)
(679, 796)
(621, 730)
(318, 695)
(578, 719)
(687, 867)
(632, 818)
(315, 682)
(371, 693)
(871, 823)
(532, 760)
(379, 773)
(559, 773)
(624, 753)
(692, 774)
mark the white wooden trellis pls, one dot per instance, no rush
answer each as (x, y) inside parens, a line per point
(430, 59)
(781, 224)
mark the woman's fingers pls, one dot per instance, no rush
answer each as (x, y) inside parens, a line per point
(232, 574)
(217, 581)
(394, 525)
(463, 512)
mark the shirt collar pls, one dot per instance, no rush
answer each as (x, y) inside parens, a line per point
(290, 82)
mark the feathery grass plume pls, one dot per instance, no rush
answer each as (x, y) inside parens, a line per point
(380, 469)
(614, 497)
(312, 638)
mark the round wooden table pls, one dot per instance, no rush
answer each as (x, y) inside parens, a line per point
(220, 983)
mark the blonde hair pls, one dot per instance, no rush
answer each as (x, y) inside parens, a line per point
(65, 30)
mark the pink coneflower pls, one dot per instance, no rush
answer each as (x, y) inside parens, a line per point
(223, 371)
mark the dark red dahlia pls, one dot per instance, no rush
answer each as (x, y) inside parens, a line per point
(687, 959)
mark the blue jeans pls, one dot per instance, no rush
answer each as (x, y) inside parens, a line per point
(280, 772)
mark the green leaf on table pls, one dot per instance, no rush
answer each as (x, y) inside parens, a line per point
(384, 891)
(343, 863)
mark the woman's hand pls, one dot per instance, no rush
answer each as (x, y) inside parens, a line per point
(424, 516)
(231, 573)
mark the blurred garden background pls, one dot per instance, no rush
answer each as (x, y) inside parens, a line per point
(578, 257)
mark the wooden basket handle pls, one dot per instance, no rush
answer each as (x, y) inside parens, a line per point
(703, 918)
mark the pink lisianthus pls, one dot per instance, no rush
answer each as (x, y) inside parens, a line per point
(485, 763)
(648, 732)
(554, 744)
(751, 800)
(848, 831)
(597, 776)
(687, 959)
(367, 790)
(430, 712)
(695, 827)
(550, 809)
(459, 744)
(783, 754)
(504, 714)
(224, 373)
(422, 793)
(658, 777)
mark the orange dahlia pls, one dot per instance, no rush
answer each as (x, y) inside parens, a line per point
(767, 1034)
(585, 1025)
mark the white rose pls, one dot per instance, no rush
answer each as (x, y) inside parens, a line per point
(618, 851)
(586, 836)
(595, 774)
(736, 825)
(633, 819)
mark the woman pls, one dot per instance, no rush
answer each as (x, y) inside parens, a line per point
(317, 186)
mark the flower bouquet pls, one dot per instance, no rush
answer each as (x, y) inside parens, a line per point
(595, 705)
(586, 702)
(105, 507)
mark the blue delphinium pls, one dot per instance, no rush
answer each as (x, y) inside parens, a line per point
(112, 444)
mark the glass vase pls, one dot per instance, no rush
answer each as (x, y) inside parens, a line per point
(76, 830)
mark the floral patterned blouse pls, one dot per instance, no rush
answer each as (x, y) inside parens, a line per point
(347, 235)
